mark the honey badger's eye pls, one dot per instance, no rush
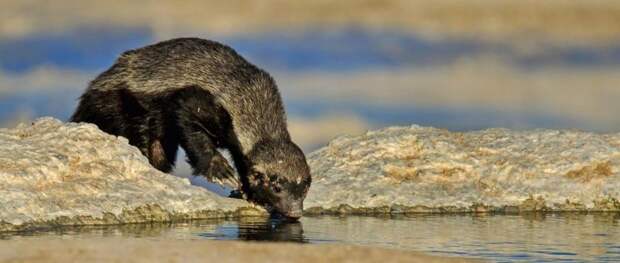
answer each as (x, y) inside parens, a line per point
(273, 178)
(257, 175)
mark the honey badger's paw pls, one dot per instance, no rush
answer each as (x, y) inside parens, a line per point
(238, 194)
(221, 172)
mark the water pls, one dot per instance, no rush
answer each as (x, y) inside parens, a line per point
(458, 83)
(500, 238)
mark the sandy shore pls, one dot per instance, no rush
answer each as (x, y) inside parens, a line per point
(144, 250)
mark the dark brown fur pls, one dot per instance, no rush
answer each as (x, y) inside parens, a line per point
(202, 95)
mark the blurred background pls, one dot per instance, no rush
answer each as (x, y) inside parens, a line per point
(343, 66)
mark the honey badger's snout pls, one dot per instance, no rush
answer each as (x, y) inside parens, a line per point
(289, 210)
(278, 178)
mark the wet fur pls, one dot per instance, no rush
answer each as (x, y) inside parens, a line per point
(201, 95)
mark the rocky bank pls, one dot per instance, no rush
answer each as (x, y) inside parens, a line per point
(417, 169)
(54, 173)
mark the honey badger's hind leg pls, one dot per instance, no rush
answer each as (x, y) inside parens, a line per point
(163, 138)
(202, 127)
(119, 112)
(150, 128)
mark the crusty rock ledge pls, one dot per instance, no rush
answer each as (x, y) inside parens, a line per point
(55, 174)
(415, 169)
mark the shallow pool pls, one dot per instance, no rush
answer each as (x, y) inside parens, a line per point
(530, 237)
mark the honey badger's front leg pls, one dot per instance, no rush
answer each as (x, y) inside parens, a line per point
(195, 117)
(206, 160)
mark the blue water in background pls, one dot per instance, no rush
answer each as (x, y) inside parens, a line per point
(350, 49)
(90, 48)
(93, 49)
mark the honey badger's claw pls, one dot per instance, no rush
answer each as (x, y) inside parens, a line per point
(221, 172)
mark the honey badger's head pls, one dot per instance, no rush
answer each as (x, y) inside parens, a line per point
(278, 178)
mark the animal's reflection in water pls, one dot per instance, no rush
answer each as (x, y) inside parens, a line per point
(260, 229)
(271, 230)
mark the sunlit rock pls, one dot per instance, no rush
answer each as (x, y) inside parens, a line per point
(417, 169)
(72, 174)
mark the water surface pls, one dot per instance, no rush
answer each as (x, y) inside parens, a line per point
(500, 238)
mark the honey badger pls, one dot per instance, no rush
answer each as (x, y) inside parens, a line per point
(202, 95)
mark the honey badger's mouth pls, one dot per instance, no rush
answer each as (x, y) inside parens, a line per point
(274, 213)
(285, 217)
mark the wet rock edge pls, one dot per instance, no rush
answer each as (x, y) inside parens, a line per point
(143, 214)
(532, 204)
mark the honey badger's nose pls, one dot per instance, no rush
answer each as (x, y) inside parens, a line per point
(287, 216)
(291, 210)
